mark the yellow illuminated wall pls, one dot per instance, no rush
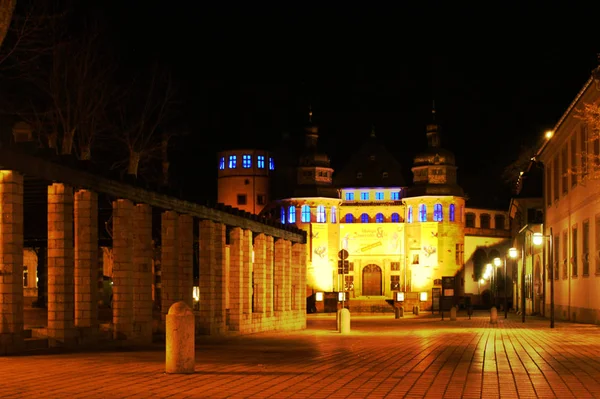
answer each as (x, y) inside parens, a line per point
(322, 256)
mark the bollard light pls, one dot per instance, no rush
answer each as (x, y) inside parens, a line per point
(399, 296)
(319, 297)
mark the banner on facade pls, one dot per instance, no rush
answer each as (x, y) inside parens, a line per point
(372, 239)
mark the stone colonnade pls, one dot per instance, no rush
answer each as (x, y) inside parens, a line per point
(253, 283)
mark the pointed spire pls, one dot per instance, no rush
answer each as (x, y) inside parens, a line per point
(310, 113)
(372, 130)
(433, 111)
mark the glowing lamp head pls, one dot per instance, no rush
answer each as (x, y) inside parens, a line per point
(481, 281)
(488, 268)
(538, 239)
(549, 134)
(497, 262)
(513, 253)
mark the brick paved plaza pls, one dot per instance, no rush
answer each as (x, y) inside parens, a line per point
(382, 357)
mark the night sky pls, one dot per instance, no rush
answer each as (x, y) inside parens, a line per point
(500, 75)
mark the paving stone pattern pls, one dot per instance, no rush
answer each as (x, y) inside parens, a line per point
(413, 357)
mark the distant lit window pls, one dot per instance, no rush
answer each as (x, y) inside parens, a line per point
(394, 196)
(232, 162)
(305, 213)
(283, 215)
(379, 218)
(409, 215)
(451, 213)
(470, 220)
(379, 195)
(438, 213)
(349, 196)
(422, 213)
(260, 161)
(364, 196)
(222, 163)
(395, 218)
(271, 164)
(333, 214)
(364, 218)
(321, 215)
(292, 214)
(349, 218)
(246, 161)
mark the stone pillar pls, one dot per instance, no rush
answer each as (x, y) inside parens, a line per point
(61, 266)
(169, 254)
(260, 274)
(123, 269)
(279, 276)
(269, 256)
(247, 272)
(302, 279)
(288, 275)
(297, 282)
(11, 262)
(212, 278)
(186, 259)
(86, 259)
(236, 278)
(142, 273)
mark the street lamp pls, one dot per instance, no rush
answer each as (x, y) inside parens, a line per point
(512, 253)
(538, 240)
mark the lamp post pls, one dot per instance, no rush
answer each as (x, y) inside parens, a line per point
(512, 253)
(497, 264)
(538, 239)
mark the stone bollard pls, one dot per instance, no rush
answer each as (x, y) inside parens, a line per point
(416, 310)
(493, 315)
(344, 321)
(453, 313)
(337, 320)
(399, 312)
(180, 338)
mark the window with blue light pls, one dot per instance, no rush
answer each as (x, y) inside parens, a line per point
(333, 214)
(451, 213)
(292, 214)
(379, 218)
(246, 161)
(222, 163)
(271, 164)
(260, 161)
(321, 215)
(409, 215)
(282, 215)
(349, 218)
(422, 213)
(379, 195)
(305, 213)
(438, 213)
(364, 218)
(364, 196)
(395, 218)
(395, 196)
(349, 196)
(232, 162)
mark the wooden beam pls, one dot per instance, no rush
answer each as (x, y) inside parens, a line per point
(12, 159)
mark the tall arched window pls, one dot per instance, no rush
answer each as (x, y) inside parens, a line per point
(422, 213)
(364, 218)
(292, 214)
(349, 218)
(333, 214)
(283, 215)
(395, 218)
(438, 213)
(379, 218)
(409, 215)
(451, 211)
(321, 215)
(305, 210)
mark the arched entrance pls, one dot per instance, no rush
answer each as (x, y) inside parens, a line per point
(371, 280)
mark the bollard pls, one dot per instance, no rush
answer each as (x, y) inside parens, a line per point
(337, 320)
(493, 315)
(453, 313)
(401, 311)
(396, 313)
(416, 310)
(180, 357)
(344, 321)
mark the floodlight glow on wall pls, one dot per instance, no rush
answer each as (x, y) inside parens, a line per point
(399, 296)
(423, 296)
(319, 297)
(196, 293)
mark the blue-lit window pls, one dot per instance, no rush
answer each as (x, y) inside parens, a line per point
(379, 195)
(271, 164)
(232, 162)
(422, 213)
(349, 218)
(438, 213)
(292, 214)
(364, 196)
(260, 161)
(349, 196)
(451, 215)
(379, 218)
(321, 215)
(283, 215)
(395, 218)
(246, 161)
(305, 211)
(364, 218)
(395, 196)
(333, 214)
(409, 215)
(222, 163)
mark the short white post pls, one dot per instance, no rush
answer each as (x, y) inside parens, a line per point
(344, 316)
(493, 315)
(180, 338)
(453, 313)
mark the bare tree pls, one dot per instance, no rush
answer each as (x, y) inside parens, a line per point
(511, 173)
(586, 162)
